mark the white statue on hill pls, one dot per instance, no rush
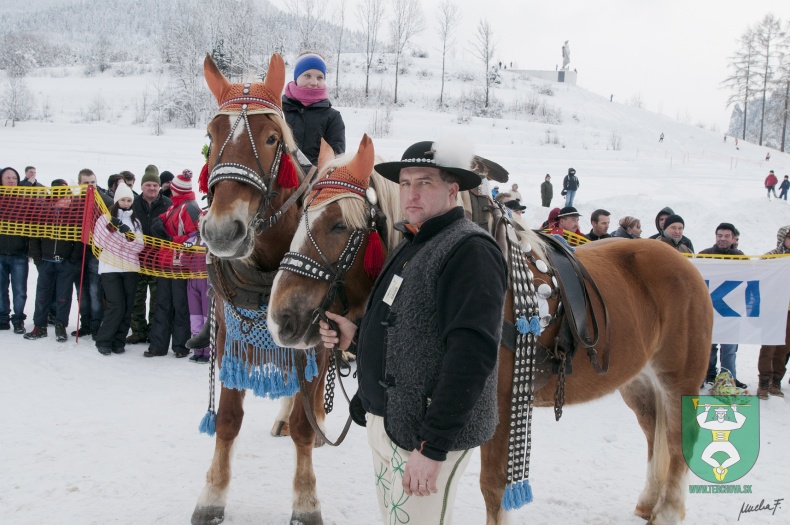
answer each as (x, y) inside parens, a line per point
(566, 55)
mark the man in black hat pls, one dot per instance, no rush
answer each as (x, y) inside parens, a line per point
(427, 345)
(515, 206)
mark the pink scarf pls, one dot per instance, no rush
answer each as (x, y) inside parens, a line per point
(306, 96)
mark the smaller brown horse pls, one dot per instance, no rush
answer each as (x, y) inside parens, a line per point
(656, 343)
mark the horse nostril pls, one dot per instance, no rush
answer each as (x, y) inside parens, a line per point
(288, 326)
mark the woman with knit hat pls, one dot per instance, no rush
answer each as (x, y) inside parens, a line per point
(178, 224)
(308, 110)
(120, 236)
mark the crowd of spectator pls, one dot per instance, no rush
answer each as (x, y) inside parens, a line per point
(111, 289)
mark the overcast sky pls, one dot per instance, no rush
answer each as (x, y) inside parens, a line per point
(673, 52)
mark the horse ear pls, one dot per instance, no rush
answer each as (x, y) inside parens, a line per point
(275, 76)
(216, 81)
(325, 154)
(364, 159)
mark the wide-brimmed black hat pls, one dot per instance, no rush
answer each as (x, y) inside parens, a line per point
(568, 211)
(515, 205)
(422, 154)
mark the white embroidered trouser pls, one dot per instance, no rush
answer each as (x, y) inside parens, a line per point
(389, 461)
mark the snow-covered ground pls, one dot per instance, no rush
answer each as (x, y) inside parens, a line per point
(89, 439)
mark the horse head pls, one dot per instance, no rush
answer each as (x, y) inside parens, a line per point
(337, 250)
(251, 174)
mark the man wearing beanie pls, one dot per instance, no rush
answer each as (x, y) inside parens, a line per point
(147, 206)
(673, 233)
(165, 178)
(725, 238)
(179, 224)
(661, 216)
(308, 111)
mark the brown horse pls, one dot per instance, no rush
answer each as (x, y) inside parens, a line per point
(656, 344)
(255, 206)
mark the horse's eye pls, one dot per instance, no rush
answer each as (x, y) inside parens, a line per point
(339, 227)
(271, 140)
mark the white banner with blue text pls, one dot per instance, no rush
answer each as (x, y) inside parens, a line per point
(750, 299)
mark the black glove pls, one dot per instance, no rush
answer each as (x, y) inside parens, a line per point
(187, 244)
(563, 193)
(124, 228)
(115, 221)
(356, 411)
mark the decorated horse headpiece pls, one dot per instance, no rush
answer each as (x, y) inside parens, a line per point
(350, 180)
(243, 100)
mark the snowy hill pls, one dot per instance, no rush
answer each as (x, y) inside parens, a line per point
(89, 439)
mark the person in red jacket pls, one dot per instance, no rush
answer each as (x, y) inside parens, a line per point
(770, 184)
(178, 224)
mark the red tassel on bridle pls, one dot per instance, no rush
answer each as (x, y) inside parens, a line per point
(374, 255)
(203, 180)
(287, 178)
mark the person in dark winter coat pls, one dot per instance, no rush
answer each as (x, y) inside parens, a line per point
(772, 363)
(600, 225)
(628, 228)
(725, 238)
(120, 236)
(13, 268)
(30, 178)
(165, 178)
(546, 192)
(783, 188)
(56, 261)
(427, 382)
(569, 186)
(770, 183)
(673, 234)
(660, 218)
(147, 206)
(308, 110)
(178, 224)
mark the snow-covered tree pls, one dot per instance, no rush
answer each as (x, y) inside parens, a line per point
(447, 21)
(17, 102)
(407, 21)
(484, 48)
(370, 14)
(340, 22)
(769, 40)
(742, 79)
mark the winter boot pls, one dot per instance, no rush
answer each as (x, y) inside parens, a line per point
(60, 333)
(775, 389)
(762, 389)
(36, 333)
(202, 339)
(19, 327)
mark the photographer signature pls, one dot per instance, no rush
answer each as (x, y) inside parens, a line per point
(746, 508)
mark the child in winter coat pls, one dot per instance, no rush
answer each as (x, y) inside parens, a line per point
(120, 236)
(178, 224)
(197, 297)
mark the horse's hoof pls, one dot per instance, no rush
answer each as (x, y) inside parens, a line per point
(281, 429)
(643, 512)
(208, 515)
(307, 518)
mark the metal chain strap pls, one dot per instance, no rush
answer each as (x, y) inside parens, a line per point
(212, 319)
(559, 394)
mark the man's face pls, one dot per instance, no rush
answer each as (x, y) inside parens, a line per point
(90, 180)
(787, 241)
(30, 174)
(8, 178)
(424, 195)
(569, 223)
(675, 230)
(602, 226)
(661, 219)
(150, 190)
(724, 239)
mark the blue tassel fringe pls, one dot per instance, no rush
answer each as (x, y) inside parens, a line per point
(534, 325)
(208, 425)
(517, 495)
(522, 325)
